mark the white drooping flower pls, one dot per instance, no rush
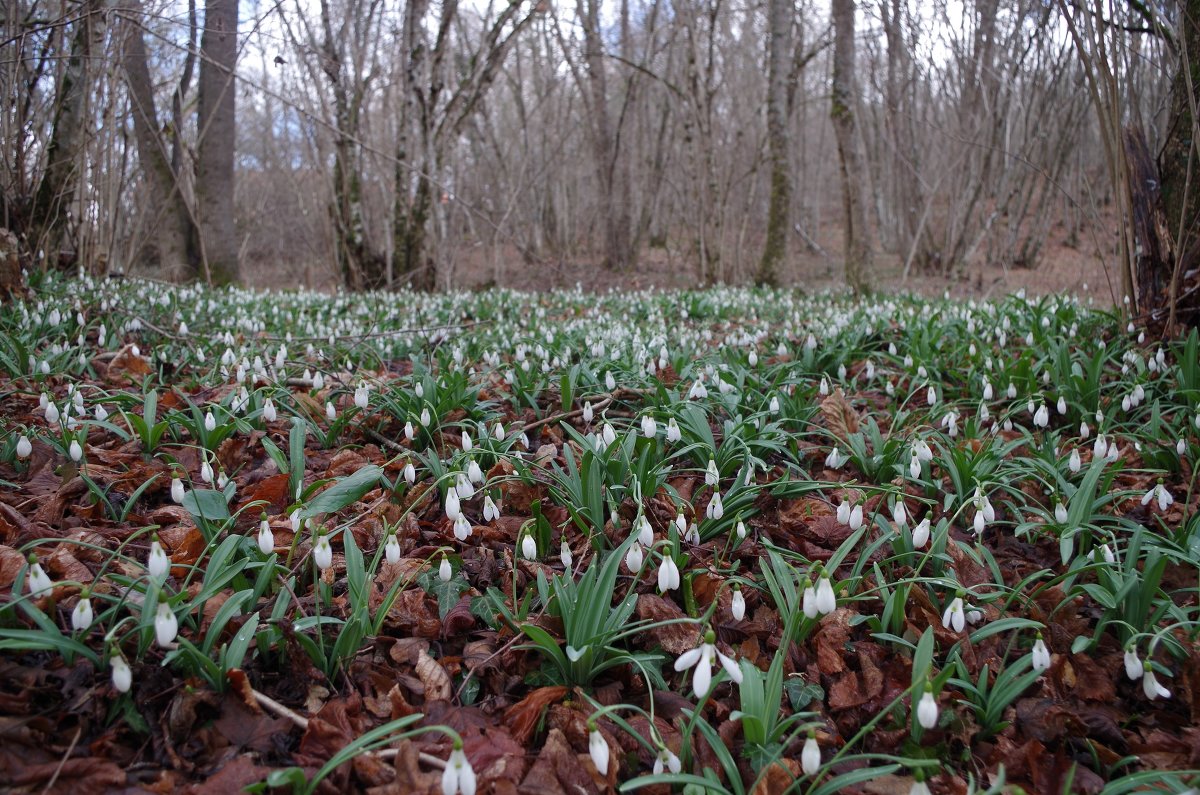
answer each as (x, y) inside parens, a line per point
(673, 433)
(927, 708)
(266, 538)
(157, 563)
(1150, 685)
(1060, 512)
(453, 510)
(711, 476)
(564, 554)
(598, 749)
(1074, 463)
(52, 413)
(410, 473)
(666, 760)
(608, 434)
(737, 605)
(826, 600)
(701, 658)
(24, 447)
(920, 533)
(463, 487)
(809, 601)
(740, 531)
(177, 491)
(587, 413)
(810, 756)
(899, 514)
(984, 513)
(391, 549)
(210, 422)
(122, 677)
(954, 617)
(39, 581)
(474, 472)
(835, 459)
(362, 396)
(716, 508)
(1040, 654)
(330, 411)
(462, 528)
(75, 451)
(528, 547)
(649, 427)
(668, 573)
(268, 411)
(445, 572)
(409, 431)
(1133, 664)
(82, 615)
(458, 778)
(634, 558)
(1160, 493)
(1041, 417)
(490, 512)
(322, 552)
(645, 533)
(166, 626)
(914, 466)
(843, 512)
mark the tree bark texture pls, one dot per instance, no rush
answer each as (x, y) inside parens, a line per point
(217, 121)
(843, 112)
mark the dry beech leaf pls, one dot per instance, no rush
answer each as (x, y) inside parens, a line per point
(840, 416)
(434, 677)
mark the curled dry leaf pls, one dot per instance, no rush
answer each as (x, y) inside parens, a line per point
(433, 676)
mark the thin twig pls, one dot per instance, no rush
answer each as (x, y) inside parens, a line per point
(279, 709)
(62, 762)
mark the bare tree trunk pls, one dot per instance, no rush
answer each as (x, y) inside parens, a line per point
(779, 24)
(843, 112)
(218, 127)
(56, 190)
(168, 246)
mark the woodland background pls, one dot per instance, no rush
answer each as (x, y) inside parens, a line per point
(382, 143)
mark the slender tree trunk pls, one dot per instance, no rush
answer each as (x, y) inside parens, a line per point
(843, 112)
(779, 23)
(168, 245)
(215, 151)
(56, 190)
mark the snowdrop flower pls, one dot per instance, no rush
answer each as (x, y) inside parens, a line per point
(773, 406)
(1062, 405)
(826, 600)
(1180, 447)
(610, 383)
(835, 459)
(322, 552)
(1150, 685)
(453, 511)
(1133, 664)
(984, 513)
(490, 512)
(1060, 512)
(24, 447)
(920, 533)
(855, 520)
(608, 434)
(598, 749)
(649, 427)
(824, 388)
(633, 558)
(1040, 654)
(1100, 446)
(467, 444)
(444, 570)
(919, 787)
(645, 534)
(666, 760)
(587, 413)
(82, 615)
(266, 539)
(1105, 552)
(899, 514)
(210, 422)
(75, 451)
(425, 418)
(673, 434)
(738, 604)
(166, 626)
(564, 554)
(1074, 463)
(668, 573)
(843, 512)
(318, 381)
(698, 391)
(391, 549)
(157, 563)
(409, 431)
(950, 423)
(810, 756)
(177, 491)
(931, 396)
(52, 413)
(1041, 417)
(39, 581)
(463, 487)
(1084, 430)
(1160, 493)
(954, 617)
(462, 528)
(362, 396)
(914, 466)
(528, 547)
(927, 708)
(701, 658)
(122, 677)
(268, 411)
(459, 776)
(330, 411)
(716, 508)
(740, 530)
(711, 476)
(810, 600)
(410, 473)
